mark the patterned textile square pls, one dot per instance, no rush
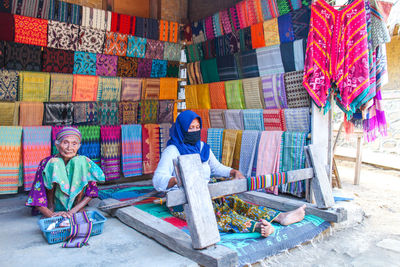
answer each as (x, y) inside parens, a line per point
(271, 32)
(8, 27)
(109, 89)
(2, 53)
(144, 67)
(208, 49)
(164, 135)
(214, 139)
(57, 60)
(234, 94)
(273, 87)
(85, 63)
(298, 119)
(131, 89)
(147, 28)
(123, 23)
(85, 113)
(131, 150)
(31, 8)
(127, 111)
(173, 69)
(173, 32)
(217, 118)
(30, 30)
(205, 118)
(159, 68)
(22, 57)
(96, 18)
(209, 70)
(191, 97)
(296, 94)
(285, 26)
(245, 39)
(165, 111)
(172, 51)
(253, 119)
(111, 151)
(65, 12)
(198, 31)
(8, 85)
(150, 147)
(62, 35)
(31, 113)
(127, 67)
(91, 40)
(301, 22)
(194, 73)
(61, 87)
(234, 119)
(9, 113)
(269, 9)
(227, 68)
(154, 49)
(168, 88)
(269, 60)
(203, 96)
(5, 6)
(194, 52)
(151, 89)
(58, 113)
(108, 113)
(274, 120)
(257, 35)
(218, 99)
(288, 57)
(164, 27)
(106, 65)
(34, 86)
(90, 145)
(136, 47)
(248, 64)
(148, 111)
(116, 44)
(85, 88)
(253, 96)
(221, 46)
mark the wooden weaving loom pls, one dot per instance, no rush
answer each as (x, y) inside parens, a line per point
(195, 196)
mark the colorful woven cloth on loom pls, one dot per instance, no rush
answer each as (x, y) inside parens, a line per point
(22, 57)
(227, 68)
(296, 94)
(31, 113)
(273, 87)
(253, 119)
(57, 60)
(90, 40)
(108, 113)
(148, 111)
(150, 147)
(96, 18)
(106, 65)
(297, 119)
(131, 153)
(36, 145)
(228, 146)
(9, 113)
(85, 88)
(234, 119)
(151, 89)
(85, 113)
(61, 87)
(164, 135)
(168, 88)
(128, 112)
(65, 12)
(131, 89)
(34, 86)
(109, 89)
(234, 94)
(172, 52)
(154, 49)
(116, 44)
(11, 159)
(127, 67)
(173, 69)
(90, 144)
(271, 32)
(85, 63)
(218, 99)
(111, 151)
(62, 35)
(269, 60)
(274, 120)
(123, 23)
(217, 118)
(158, 68)
(247, 151)
(194, 73)
(253, 95)
(264, 181)
(8, 85)
(58, 113)
(144, 67)
(30, 30)
(136, 47)
(209, 70)
(165, 111)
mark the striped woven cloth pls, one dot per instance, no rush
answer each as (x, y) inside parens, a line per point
(90, 144)
(297, 119)
(34, 86)
(109, 89)
(9, 113)
(247, 151)
(131, 153)
(264, 181)
(131, 89)
(216, 118)
(36, 145)
(214, 140)
(111, 151)
(150, 147)
(234, 119)
(164, 135)
(253, 119)
(151, 88)
(269, 60)
(253, 95)
(191, 97)
(228, 146)
(274, 120)
(273, 87)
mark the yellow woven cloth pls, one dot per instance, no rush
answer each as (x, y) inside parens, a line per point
(151, 88)
(236, 153)
(61, 87)
(203, 96)
(271, 32)
(229, 137)
(168, 88)
(31, 113)
(191, 97)
(9, 113)
(34, 86)
(253, 96)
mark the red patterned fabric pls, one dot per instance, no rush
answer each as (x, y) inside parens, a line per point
(116, 44)
(30, 30)
(150, 147)
(123, 23)
(274, 120)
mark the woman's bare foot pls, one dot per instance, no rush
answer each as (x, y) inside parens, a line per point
(294, 216)
(265, 228)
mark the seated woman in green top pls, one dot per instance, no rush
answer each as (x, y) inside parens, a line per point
(66, 182)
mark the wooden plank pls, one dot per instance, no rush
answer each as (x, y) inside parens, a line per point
(358, 161)
(199, 210)
(320, 184)
(287, 204)
(122, 204)
(172, 237)
(177, 197)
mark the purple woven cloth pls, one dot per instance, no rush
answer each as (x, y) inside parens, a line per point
(273, 87)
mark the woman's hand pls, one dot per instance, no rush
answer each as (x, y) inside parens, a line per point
(65, 214)
(236, 174)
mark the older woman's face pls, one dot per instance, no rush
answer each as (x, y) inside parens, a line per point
(68, 147)
(194, 126)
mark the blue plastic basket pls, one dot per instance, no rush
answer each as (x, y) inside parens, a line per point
(58, 235)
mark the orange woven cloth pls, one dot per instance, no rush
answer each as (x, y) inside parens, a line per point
(151, 88)
(31, 113)
(30, 30)
(85, 88)
(150, 147)
(164, 25)
(173, 32)
(217, 93)
(205, 118)
(168, 88)
(257, 35)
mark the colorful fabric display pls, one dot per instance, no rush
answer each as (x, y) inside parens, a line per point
(274, 120)
(257, 35)
(158, 68)
(31, 113)
(273, 87)
(33, 9)
(208, 28)
(116, 44)
(57, 60)
(96, 18)
(9, 113)
(234, 119)
(150, 147)
(151, 89)
(225, 21)
(298, 119)
(165, 111)
(154, 49)
(288, 57)
(85, 63)
(234, 18)
(173, 69)
(10, 153)
(136, 47)
(194, 52)
(198, 31)
(248, 64)
(218, 99)
(8, 85)
(61, 87)
(111, 151)
(217, 118)
(217, 27)
(86, 113)
(271, 32)
(208, 49)
(127, 111)
(298, 51)
(284, 6)
(127, 67)
(285, 26)
(30, 30)
(144, 67)
(187, 34)
(234, 94)
(91, 40)
(263, 181)
(251, 12)
(106, 65)
(22, 57)
(241, 13)
(147, 28)
(194, 73)
(164, 25)
(81, 229)
(85, 88)
(34, 86)
(36, 145)
(8, 26)
(123, 23)
(221, 46)
(296, 94)
(164, 135)
(253, 119)
(247, 151)
(214, 140)
(253, 95)
(269, 9)
(148, 111)
(131, 152)
(205, 119)
(227, 68)
(168, 88)
(131, 89)
(209, 70)
(108, 113)
(203, 96)
(173, 32)
(233, 42)
(236, 152)
(65, 12)
(172, 51)
(301, 22)
(58, 113)
(228, 146)
(269, 60)
(191, 97)
(245, 39)
(62, 35)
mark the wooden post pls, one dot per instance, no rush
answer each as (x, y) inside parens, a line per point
(358, 160)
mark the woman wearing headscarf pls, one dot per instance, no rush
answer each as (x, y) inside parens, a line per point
(66, 182)
(233, 214)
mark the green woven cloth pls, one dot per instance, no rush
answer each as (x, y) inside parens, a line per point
(108, 113)
(148, 111)
(209, 70)
(109, 89)
(234, 94)
(34, 86)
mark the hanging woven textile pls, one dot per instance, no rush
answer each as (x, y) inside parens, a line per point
(150, 147)
(136, 46)
(165, 111)
(205, 119)
(164, 135)
(116, 44)
(106, 65)
(144, 67)
(62, 35)
(228, 146)
(148, 111)
(296, 94)
(90, 144)
(172, 52)
(34, 86)
(271, 32)
(22, 57)
(225, 21)
(214, 140)
(285, 25)
(253, 95)
(257, 35)
(85, 88)
(273, 87)
(209, 70)
(91, 40)
(247, 151)
(131, 153)
(109, 89)
(57, 60)
(85, 113)
(269, 60)
(301, 22)
(269, 9)
(253, 119)
(8, 26)
(218, 99)
(131, 89)
(236, 152)
(8, 85)
(173, 32)
(208, 49)
(9, 113)
(173, 69)
(65, 12)
(234, 119)
(58, 113)
(111, 151)
(191, 97)
(203, 96)
(274, 120)
(164, 30)
(31, 8)
(154, 49)
(234, 19)
(233, 42)
(127, 111)
(85, 63)
(36, 145)
(288, 56)
(194, 73)
(248, 64)
(123, 23)
(96, 18)
(217, 118)
(168, 88)
(10, 153)
(30, 113)
(158, 68)
(198, 31)
(127, 67)
(227, 68)
(234, 94)
(30, 30)
(151, 89)
(298, 119)
(108, 113)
